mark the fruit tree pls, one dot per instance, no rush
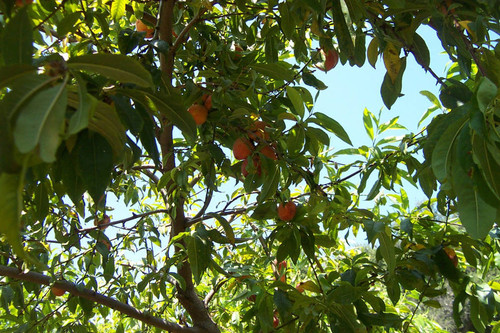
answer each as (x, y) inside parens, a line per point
(195, 120)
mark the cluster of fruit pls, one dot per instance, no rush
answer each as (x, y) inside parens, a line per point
(200, 111)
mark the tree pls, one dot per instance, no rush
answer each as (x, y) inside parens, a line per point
(92, 109)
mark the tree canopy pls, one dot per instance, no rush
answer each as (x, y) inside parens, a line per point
(198, 117)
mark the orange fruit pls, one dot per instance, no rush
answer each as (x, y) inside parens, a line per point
(207, 101)
(452, 255)
(269, 152)
(199, 113)
(331, 59)
(282, 270)
(242, 148)
(258, 131)
(141, 27)
(299, 287)
(286, 211)
(57, 291)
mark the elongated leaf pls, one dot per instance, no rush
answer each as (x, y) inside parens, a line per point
(114, 66)
(106, 122)
(442, 154)
(226, 226)
(346, 45)
(277, 71)
(95, 162)
(87, 103)
(372, 52)
(367, 121)
(333, 126)
(14, 72)
(17, 41)
(387, 250)
(41, 122)
(421, 51)
(199, 253)
(475, 214)
(295, 97)
(391, 89)
(488, 165)
(270, 184)
(118, 9)
(10, 211)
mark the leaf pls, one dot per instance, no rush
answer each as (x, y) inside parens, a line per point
(278, 71)
(295, 97)
(10, 211)
(390, 90)
(114, 66)
(392, 61)
(490, 169)
(286, 19)
(271, 183)
(393, 290)
(106, 122)
(486, 92)
(68, 23)
(14, 72)
(95, 163)
(312, 81)
(17, 41)
(199, 253)
(118, 9)
(226, 226)
(41, 122)
(475, 214)
(443, 152)
(387, 250)
(333, 126)
(147, 134)
(421, 51)
(372, 52)
(344, 38)
(86, 104)
(367, 121)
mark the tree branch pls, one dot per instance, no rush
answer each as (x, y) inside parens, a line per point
(93, 296)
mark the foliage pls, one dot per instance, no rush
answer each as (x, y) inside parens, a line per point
(92, 109)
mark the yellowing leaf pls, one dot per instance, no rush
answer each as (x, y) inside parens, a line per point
(392, 61)
(465, 24)
(372, 52)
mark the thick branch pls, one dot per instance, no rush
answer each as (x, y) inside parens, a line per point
(93, 296)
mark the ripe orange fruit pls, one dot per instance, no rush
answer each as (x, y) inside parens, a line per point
(57, 291)
(299, 287)
(286, 212)
(22, 3)
(141, 27)
(269, 152)
(199, 113)
(282, 270)
(331, 59)
(452, 255)
(256, 165)
(258, 131)
(242, 148)
(207, 101)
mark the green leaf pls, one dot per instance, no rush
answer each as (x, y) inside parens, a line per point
(271, 183)
(118, 9)
(68, 23)
(147, 134)
(486, 92)
(278, 71)
(286, 19)
(367, 121)
(443, 152)
(312, 81)
(106, 122)
(114, 66)
(372, 52)
(475, 214)
(10, 211)
(333, 126)
(393, 290)
(41, 122)
(17, 41)
(387, 250)
(199, 253)
(490, 169)
(14, 72)
(95, 162)
(421, 51)
(344, 38)
(226, 226)
(391, 91)
(295, 97)
(80, 119)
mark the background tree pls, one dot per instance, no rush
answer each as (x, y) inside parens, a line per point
(95, 104)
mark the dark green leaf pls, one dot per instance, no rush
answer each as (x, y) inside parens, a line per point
(17, 41)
